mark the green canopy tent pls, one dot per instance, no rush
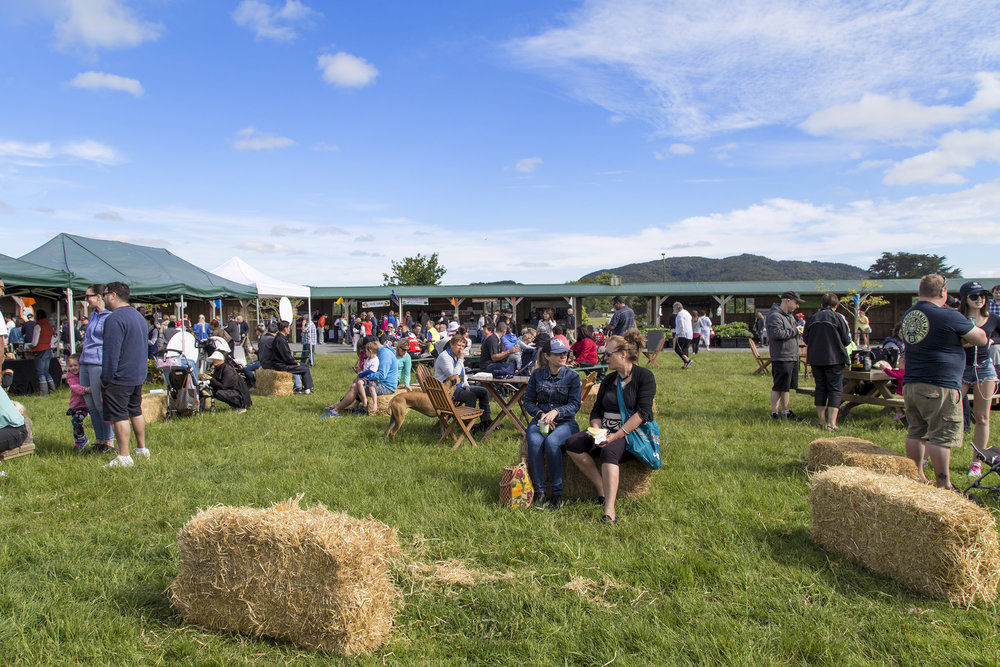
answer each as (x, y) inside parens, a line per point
(152, 274)
(22, 277)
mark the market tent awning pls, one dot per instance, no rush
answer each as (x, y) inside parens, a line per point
(151, 273)
(239, 271)
(22, 277)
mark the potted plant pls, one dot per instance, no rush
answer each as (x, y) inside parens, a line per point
(735, 334)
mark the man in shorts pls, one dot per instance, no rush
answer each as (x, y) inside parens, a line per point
(123, 371)
(935, 359)
(783, 344)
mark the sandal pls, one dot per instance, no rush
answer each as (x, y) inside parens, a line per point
(607, 518)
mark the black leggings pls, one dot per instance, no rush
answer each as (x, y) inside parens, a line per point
(829, 385)
(469, 396)
(12, 437)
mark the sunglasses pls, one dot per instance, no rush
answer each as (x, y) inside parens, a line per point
(979, 297)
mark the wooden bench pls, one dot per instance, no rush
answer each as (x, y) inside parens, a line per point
(859, 398)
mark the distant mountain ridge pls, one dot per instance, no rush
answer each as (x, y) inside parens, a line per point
(745, 267)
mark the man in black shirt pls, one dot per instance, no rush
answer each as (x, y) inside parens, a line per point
(492, 356)
(282, 360)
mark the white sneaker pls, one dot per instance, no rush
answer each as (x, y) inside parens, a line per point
(308, 391)
(240, 411)
(121, 462)
(141, 451)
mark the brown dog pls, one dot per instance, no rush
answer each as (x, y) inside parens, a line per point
(413, 400)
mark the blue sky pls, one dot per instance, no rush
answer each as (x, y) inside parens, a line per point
(520, 140)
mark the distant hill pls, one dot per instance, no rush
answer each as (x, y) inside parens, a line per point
(738, 268)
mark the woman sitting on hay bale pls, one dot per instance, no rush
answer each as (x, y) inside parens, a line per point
(553, 398)
(13, 429)
(638, 386)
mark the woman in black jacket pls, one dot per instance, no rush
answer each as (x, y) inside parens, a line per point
(226, 384)
(638, 391)
(827, 335)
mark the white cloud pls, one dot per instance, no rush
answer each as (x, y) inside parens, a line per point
(286, 230)
(330, 230)
(111, 216)
(95, 80)
(890, 118)
(956, 150)
(98, 24)
(696, 69)
(92, 151)
(365, 238)
(346, 71)
(128, 238)
(396, 221)
(528, 164)
(89, 150)
(252, 139)
(273, 22)
(616, 119)
(364, 253)
(681, 149)
(6, 209)
(270, 248)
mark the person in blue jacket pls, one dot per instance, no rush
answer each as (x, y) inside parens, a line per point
(552, 398)
(387, 377)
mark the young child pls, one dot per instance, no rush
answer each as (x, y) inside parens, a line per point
(77, 406)
(367, 387)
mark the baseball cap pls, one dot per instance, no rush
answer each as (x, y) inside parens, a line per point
(453, 327)
(793, 295)
(555, 346)
(216, 356)
(970, 288)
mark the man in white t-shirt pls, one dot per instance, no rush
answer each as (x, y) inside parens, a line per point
(683, 333)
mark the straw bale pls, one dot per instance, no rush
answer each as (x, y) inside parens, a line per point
(845, 451)
(274, 383)
(154, 407)
(634, 480)
(29, 426)
(383, 402)
(312, 577)
(930, 540)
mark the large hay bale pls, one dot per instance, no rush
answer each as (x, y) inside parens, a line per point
(383, 402)
(154, 407)
(930, 540)
(315, 578)
(634, 478)
(274, 383)
(845, 451)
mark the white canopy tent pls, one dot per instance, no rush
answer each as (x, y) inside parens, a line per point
(239, 271)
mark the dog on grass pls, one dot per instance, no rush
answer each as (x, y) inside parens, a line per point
(413, 400)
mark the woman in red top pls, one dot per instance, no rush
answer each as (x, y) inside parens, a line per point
(41, 350)
(585, 349)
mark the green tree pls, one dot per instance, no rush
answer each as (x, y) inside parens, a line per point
(910, 265)
(866, 299)
(417, 270)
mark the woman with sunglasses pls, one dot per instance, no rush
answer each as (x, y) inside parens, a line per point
(979, 370)
(638, 388)
(91, 358)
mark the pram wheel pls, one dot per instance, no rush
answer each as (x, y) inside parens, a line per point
(975, 498)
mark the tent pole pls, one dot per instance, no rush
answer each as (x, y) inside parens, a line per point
(182, 312)
(72, 329)
(258, 310)
(58, 328)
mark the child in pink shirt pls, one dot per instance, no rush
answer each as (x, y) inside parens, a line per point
(77, 406)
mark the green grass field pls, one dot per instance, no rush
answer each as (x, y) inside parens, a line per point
(714, 566)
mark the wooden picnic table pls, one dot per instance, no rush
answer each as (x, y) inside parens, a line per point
(877, 392)
(507, 405)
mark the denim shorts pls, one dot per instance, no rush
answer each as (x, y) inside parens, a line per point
(981, 372)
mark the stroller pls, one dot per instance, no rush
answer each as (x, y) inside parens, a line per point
(991, 464)
(184, 394)
(217, 344)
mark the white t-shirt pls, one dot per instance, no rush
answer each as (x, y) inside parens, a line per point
(3, 327)
(682, 326)
(706, 325)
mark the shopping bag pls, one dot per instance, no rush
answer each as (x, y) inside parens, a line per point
(516, 489)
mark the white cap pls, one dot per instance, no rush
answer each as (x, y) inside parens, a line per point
(216, 356)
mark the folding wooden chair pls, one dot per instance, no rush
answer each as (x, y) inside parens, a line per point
(588, 384)
(762, 362)
(450, 415)
(651, 355)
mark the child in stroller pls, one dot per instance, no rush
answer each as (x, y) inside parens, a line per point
(990, 459)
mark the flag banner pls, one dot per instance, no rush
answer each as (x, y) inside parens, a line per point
(414, 300)
(375, 304)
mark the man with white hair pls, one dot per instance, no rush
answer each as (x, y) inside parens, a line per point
(683, 333)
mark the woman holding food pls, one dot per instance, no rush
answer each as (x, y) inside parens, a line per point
(605, 439)
(552, 398)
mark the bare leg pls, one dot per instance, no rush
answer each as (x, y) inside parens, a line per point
(609, 472)
(940, 459)
(915, 452)
(821, 414)
(983, 397)
(374, 400)
(775, 401)
(122, 433)
(786, 397)
(139, 426)
(587, 466)
(346, 400)
(831, 416)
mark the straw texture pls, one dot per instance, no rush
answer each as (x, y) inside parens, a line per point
(827, 452)
(315, 578)
(274, 383)
(154, 407)
(930, 540)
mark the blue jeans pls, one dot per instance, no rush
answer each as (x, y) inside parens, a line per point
(42, 360)
(90, 376)
(250, 368)
(546, 450)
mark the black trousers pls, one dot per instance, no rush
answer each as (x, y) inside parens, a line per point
(829, 385)
(12, 437)
(470, 396)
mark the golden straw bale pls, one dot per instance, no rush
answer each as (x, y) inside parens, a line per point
(634, 478)
(274, 383)
(383, 402)
(312, 577)
(154, 407)
(930, 540)
(845, 451)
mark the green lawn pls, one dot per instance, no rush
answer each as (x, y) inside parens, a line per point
(714, 566)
